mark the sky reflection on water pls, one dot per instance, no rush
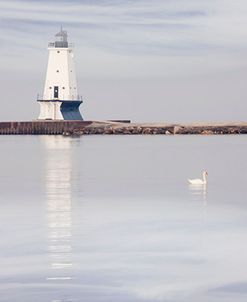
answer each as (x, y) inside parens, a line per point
(114, 219)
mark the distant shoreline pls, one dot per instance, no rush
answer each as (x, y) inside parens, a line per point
(123, 127)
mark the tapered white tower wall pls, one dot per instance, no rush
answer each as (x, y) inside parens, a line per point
(60, 74)
(60, 99)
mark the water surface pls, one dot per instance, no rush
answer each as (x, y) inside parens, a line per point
(112, 218)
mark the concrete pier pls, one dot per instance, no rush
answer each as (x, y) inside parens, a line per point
(123, 127)
(41, 127)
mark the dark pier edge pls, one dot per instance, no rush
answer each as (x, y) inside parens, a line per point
(41, 127)
(116, 127)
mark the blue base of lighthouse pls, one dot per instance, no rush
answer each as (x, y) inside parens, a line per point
(60, 110)
(70, 110)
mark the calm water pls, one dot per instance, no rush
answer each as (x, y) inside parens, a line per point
(113, 219)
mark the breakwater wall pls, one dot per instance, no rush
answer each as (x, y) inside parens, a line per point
(41, 127)
(123, 127)
(162, 129)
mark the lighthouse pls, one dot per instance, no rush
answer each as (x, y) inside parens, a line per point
(60, 99)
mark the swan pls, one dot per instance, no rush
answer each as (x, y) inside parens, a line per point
(198, 181)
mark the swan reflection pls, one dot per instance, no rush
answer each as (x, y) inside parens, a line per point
(199, 192)
(58, 196)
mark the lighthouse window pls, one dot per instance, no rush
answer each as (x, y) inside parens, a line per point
(57, 70)
(55, 92)
(63, 87)
(58, 51)
(50, 87)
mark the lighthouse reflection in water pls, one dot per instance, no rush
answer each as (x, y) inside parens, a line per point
(113, 218)
(58, 191)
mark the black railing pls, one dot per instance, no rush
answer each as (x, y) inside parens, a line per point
(60, 44)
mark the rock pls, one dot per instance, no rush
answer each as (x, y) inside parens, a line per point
(66, 133)
(136, 131)
(146, 131)
(178, 129)
(130, 129)
(72, 133)
(119, 130)
(109, 130)
(207, 132)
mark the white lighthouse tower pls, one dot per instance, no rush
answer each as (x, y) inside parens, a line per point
(60, 99)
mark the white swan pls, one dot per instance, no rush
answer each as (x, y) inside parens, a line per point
(198, 181)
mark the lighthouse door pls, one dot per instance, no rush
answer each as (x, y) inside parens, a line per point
(55, 92)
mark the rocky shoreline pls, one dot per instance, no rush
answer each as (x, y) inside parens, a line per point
(113, 128)
(120, 127)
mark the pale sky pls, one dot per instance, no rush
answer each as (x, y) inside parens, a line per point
(159, 60)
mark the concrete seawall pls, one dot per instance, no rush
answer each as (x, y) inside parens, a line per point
(41, 127)
(117, 128)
